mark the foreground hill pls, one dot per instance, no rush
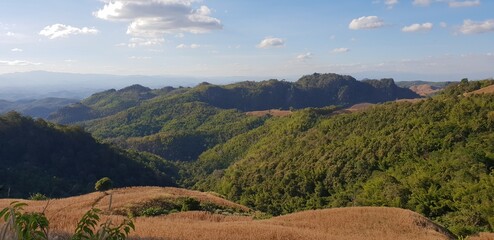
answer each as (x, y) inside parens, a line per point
(37, 156)
(342, 223)
(433, 156)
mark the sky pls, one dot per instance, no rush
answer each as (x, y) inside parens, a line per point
(433, 40)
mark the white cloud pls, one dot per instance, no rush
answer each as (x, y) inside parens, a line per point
(61, 31)
(18, 63)
(271, 42)
(443, 25)
(158, 17)
(424, 27)
(183, 46)
(422, 2)
(304, 56)
(366, 22)
(16, 50)
(473, 3)
(390, 3)
(471, 27)
(341, 50)
(10, 34)
(144, 42)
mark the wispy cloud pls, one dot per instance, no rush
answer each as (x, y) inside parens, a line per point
(422, 3)
(16, 50)
(271, 42)
(192, 46)
(417, 27)
(390, 3)
(471, 27)
(62, 31)
(366, 22)
(304, 56)
(341, 50)
(18, 63)
(473, 3)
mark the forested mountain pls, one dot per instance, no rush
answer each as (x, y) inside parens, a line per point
(316, 90)
(434, 156)
(36, 107)
(180, 124)
(57, 161)
(106, 103)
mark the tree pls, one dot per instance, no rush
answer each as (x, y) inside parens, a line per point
(103, 184)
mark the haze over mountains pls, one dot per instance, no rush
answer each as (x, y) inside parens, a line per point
(42, 84)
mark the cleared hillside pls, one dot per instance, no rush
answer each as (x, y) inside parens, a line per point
(341, 223)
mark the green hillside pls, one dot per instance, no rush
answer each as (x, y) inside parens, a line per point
(435, 157)
(180, 124)
(58, 161)
(107, 103)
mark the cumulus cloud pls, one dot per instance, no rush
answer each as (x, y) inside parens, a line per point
(304, 56)
(61, 31)
(158, 17)
(471, 27)
(18, 63)
(271, 42)
(341, 50)
(193, 46)
(366, 22)
(16, 50)
(473, 3)
(417, 27)
(422, 2)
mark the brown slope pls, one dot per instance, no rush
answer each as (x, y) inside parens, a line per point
(341, 223)
(486, 90)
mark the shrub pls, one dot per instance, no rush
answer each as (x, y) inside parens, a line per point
(19, 225)
(38, 197)
(190, 204)
(103, 184)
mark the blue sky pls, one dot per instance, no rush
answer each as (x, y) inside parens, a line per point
(404, 39)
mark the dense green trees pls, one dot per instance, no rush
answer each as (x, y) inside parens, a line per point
(63, 161)
(435, 157)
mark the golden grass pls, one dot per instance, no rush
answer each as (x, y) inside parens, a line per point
(272, 112)
(482, 236)
(341, 223)
(486, 90)
(424, 90)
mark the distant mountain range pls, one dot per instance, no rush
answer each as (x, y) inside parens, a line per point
(41, 84)
(316, 90)
(36, 108)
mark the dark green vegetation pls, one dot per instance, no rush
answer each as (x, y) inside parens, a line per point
(36, 108)
(435, 157)
(41, 157)
(180, 124)
(103, 184)
(164, 206)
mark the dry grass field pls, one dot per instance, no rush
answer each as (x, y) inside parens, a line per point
(340, 223)
(424, 90)
(486, 90)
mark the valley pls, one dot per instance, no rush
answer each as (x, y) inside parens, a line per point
(270, 151)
